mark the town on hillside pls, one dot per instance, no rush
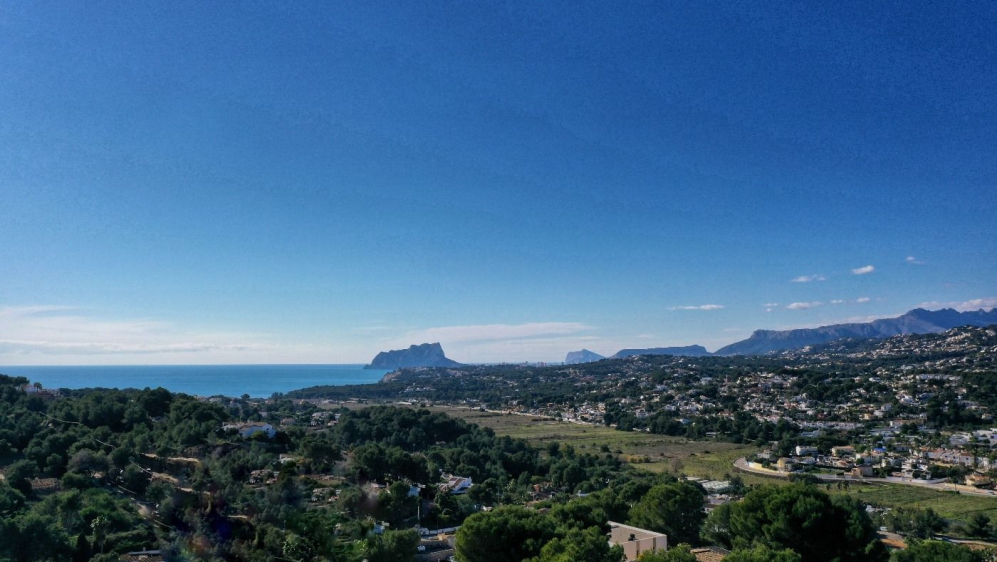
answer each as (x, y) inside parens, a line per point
(392, 471)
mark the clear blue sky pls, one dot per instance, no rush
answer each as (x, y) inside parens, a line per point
(219, 182)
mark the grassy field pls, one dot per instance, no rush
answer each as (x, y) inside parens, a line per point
(656, 453)
(706, 459)
(949, 505)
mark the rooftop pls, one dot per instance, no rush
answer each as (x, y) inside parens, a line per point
(620, 533)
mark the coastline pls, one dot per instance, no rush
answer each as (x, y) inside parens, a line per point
(258, 381)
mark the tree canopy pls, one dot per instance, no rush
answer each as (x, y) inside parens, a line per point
(936, 551)
(675, 509)
(803, 519)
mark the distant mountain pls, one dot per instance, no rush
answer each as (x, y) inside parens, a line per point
(687, 351)
(425, 355)
(583, 356)
(917, 321)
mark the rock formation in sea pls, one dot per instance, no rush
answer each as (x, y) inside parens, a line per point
(424, 355)
(583, 356)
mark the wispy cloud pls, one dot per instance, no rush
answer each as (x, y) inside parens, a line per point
(99, 347)
(496, 332)
(770, 304)
(803, 305)
(837, 301)
(974, 304)
(699, 307)
(914, 261)
(808, 278)
(862, 300)
(23, 311)
(863, 270)
(32, 333)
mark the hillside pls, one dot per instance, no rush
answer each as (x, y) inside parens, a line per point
(917, 321)
(685, 351)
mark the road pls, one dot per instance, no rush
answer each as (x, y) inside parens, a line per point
(742, 465)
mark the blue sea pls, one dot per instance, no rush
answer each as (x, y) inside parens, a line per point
(258, 381)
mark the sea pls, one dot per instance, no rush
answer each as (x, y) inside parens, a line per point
(258, 381)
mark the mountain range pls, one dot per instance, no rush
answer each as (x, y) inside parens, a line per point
(586, 356)
(423, 355)
(917, 321)
(686, 351)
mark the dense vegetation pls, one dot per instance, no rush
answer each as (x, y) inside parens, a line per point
(91, 474)
(80, 468)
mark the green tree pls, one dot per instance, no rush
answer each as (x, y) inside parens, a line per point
(716, 528)
(680, 553)
(808, 521)
(82, 552)
(297, 548)
(19, 475)
(580, 545)
(319, 453)
(505, 534)
(936, 551)
(11, 500)
(395, 505)
(917, 523)
(763, 554)
(392, 546)
(89, 462)
(99, 526)
(675, 509)
(135, 479)
(979, 526)
(928, 523)
(34, 538)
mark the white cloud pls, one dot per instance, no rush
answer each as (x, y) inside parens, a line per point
(862, 299)
(72, 335)
(914, 261)
(974, 304)
(22, 311)
(808, 278)
(804, 305)
(495, 332)
(863, 270)
(770, 304)
(700, 307)
(103, 347)
(837, 301)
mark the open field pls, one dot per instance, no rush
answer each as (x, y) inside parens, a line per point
(708, 459)
(656, 453)
(949, 505)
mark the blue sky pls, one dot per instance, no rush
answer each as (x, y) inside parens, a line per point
(192, 182)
